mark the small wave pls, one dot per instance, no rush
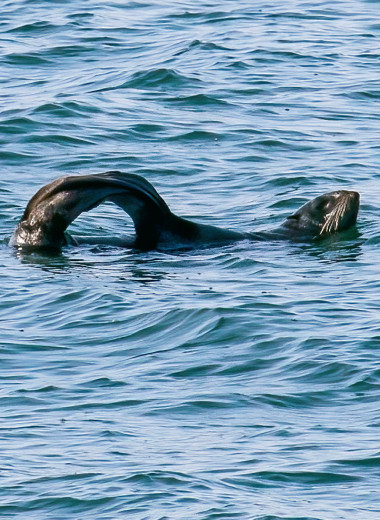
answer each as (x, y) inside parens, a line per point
(34, 29)
(271, 56)
(71, 505)
(59, 139)
(313, 14)
(201, 45)
(27, 59)
(210, 16)
(315, 478)
(160, 477)
(80, 16)
(196, 135)
(15, 157)
(68, 109)
(282, 144)
(199, 100)
(119, 404)
(367, 462)
(147, 129)
(196, 371)
(306, 400)
(370, 95)
(18, 125)
(291, 181)
(158, 78)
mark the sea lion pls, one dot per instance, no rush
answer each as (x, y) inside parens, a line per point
(56, 205)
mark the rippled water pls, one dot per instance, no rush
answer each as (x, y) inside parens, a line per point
(235, 382)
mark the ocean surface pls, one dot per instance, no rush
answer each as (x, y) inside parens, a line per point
(235, 382)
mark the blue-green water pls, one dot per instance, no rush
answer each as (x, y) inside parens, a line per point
(231, 383)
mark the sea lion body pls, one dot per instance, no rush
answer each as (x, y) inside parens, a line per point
(56, 205)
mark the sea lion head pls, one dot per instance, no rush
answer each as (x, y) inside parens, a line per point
(328, 213)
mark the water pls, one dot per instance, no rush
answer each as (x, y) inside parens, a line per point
(235, 382)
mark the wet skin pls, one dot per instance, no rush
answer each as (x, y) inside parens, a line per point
(52, 209)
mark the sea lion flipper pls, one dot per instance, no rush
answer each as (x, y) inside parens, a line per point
(55, 206)
(150, 214)
(51, 210)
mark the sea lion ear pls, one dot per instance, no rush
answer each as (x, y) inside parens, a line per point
(295, 216)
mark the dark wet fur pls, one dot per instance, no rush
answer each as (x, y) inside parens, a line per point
(51, 210)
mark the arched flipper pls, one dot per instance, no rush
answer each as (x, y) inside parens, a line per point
(57, 204)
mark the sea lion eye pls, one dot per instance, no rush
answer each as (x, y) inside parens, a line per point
(322, 205)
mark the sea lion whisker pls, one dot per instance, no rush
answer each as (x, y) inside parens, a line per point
(334, 219)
